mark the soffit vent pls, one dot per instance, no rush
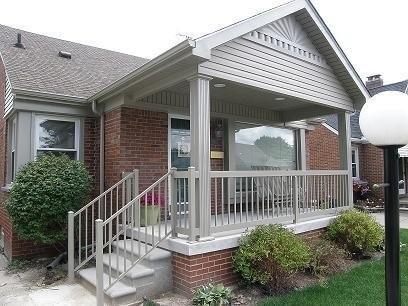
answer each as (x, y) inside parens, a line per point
(65, 54)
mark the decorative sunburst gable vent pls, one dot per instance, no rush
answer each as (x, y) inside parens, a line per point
(287, 35)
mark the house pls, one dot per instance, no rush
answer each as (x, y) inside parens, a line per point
(367, 160)
(167, 136)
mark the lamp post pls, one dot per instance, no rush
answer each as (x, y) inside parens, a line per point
(384, 123)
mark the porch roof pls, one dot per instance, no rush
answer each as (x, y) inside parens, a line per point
(174, 66)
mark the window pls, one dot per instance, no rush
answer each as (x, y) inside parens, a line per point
(57, 135)
(13, 138)
(264, 147)
(354, 163)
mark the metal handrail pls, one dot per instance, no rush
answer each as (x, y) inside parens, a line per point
(107, 191)
(84, 225)
(130, 217)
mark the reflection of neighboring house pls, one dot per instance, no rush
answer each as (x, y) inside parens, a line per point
(367, 160)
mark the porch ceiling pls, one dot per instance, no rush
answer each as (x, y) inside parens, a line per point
(246, 95)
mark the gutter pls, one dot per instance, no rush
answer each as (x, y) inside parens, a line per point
(150, 65)
(48, 95)
(101, 146)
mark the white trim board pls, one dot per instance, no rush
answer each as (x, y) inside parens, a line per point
(230, 241)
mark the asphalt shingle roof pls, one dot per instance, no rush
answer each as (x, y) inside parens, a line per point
(354, 119)
(38, 67)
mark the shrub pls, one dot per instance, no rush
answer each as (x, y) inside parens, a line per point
(356, 231)
(269, 255)
(42, 194)
(326, 257)
(212, 295)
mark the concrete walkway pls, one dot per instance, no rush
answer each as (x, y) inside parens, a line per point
(22, 289)
(403, 218)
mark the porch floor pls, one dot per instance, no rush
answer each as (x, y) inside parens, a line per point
(146, 233)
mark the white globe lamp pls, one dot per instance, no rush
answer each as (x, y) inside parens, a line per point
(384, 123)
(384, 119)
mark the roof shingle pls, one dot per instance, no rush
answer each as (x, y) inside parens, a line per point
(39, 68)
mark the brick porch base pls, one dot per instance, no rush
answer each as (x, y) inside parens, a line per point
(190, 272)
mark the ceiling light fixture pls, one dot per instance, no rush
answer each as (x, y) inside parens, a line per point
(280, 98)
(219, 85)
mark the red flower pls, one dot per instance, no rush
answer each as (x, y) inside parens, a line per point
(153, 200)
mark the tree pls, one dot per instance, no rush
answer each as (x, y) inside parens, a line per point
(276, 147)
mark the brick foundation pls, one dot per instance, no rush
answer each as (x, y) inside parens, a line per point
(190, 272)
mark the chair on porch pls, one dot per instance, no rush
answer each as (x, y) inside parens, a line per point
(276, 189)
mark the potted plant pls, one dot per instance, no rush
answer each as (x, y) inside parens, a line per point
(150, 206)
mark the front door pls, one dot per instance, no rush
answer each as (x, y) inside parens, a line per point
(180, 143)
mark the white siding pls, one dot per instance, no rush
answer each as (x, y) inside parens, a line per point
(279, 57)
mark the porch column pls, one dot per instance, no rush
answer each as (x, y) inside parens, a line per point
(301, 149)
(200, 149)
(345, 150)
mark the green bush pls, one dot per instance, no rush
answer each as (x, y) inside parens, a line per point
(42, 194)
(269, 255)
(356, 231)
(326, 257)
(212, 295)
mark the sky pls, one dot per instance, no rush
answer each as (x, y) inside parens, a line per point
(372, 33)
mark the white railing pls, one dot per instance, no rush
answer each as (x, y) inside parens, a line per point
(242, 199)
(145, 219)
(81, 224)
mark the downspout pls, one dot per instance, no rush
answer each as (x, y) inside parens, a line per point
(101, 147)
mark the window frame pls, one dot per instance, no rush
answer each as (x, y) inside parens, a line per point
(357, 162)
(40, 118)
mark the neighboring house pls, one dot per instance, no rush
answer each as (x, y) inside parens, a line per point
(245, 90)
(367, 160)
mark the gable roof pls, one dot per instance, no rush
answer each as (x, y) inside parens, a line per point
(355, 117)
(316, 30)
(39, 68)
(200, 49)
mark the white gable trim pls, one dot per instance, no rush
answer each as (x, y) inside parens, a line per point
(330, 128)
(246, 26)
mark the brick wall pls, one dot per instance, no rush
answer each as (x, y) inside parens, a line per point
(322, 149)
(5, 222)
(371, 166)
(190, 272)
(322, 153)
(91, 150)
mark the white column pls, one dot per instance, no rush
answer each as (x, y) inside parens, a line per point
(200, 148)
(301, 149)
(345, 150)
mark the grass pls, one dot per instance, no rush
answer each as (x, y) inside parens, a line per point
(362, 285)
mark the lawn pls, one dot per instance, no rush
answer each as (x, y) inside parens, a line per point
(362, 285)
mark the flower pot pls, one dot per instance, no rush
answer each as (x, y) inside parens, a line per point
(149, 215)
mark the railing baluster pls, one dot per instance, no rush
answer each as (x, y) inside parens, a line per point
(222, 201)
(215, 202)
(263, 198)
(79, 236)
(235, 199)
(246, 197)
(86, 233)
(267, 196)
(110, 253)
(71, 245)
(252, 198)
(160, 210)
(240, 199)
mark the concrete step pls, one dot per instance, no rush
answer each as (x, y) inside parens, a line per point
(138, 276)
(157, 258)
(118, 294)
